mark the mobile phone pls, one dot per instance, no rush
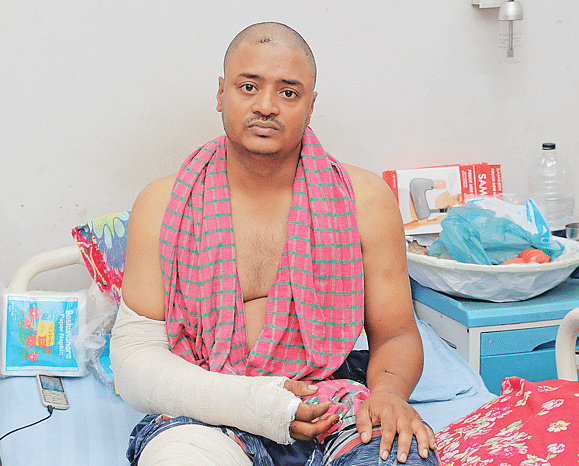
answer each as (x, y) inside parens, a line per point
(52, 391)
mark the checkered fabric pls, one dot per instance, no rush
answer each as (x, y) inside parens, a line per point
(315, 309)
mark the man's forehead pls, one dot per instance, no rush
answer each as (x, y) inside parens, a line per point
(267, 56)
(267, 48)
(270, 36)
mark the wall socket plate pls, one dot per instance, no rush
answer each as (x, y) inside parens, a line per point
(487, 3)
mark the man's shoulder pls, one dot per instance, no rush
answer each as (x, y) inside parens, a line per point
(368, 187)
(160, 187)
(378, 217)
(150, 205)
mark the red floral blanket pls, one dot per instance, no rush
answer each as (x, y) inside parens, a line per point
(530, 424)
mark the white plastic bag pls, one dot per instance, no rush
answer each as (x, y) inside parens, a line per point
(94, 338)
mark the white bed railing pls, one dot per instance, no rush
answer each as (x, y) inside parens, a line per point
(565, 352)
(43, 262)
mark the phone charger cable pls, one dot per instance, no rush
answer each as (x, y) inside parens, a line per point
(50, 408)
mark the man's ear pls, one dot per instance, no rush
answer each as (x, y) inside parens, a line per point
(220, 93)
(314, 96)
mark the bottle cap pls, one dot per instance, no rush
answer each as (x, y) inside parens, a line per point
(548, 146)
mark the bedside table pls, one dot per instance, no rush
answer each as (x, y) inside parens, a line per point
(500, 339)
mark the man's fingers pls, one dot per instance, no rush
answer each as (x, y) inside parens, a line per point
(308, 413)
(365, 421)
(312, 420)
(425, 439)
(302, 430)
(364, 424)
(404, 440)
(300, 388)
(389, 431)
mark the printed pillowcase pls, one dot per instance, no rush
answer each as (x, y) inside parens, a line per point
(103, 244)
(530, 424)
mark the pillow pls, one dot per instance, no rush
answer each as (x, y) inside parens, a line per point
(103, 244)
(529, 424)
(445, 376)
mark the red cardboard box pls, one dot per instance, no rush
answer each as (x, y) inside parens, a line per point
(425, 194)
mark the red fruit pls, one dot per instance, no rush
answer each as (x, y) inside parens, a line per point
(534, 255)
(514, 260)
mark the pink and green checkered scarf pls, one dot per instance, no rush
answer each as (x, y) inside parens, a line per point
(315, 309)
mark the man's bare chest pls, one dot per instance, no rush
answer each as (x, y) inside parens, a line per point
(260, 234)
(258, 248)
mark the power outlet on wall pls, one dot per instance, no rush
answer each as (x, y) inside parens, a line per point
(488, 3)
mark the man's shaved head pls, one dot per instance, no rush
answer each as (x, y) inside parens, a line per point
(273, 34)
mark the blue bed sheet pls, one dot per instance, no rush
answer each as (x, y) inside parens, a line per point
(95, 430)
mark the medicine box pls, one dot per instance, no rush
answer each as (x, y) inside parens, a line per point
(424, 195)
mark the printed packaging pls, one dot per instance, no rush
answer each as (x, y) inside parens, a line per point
(39, 332)
(424, 195)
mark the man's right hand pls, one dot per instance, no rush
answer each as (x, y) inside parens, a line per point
(310, 420)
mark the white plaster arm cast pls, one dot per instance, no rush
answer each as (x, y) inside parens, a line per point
(151, 379)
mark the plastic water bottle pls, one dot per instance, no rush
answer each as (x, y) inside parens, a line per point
(551, 187)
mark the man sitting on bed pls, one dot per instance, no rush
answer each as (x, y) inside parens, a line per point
(249, 276)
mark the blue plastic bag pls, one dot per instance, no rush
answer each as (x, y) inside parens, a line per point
(472, 234)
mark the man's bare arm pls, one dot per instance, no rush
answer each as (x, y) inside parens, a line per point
(143, 289)
(394, 341)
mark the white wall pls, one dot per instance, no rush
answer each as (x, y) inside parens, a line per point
(97, 98)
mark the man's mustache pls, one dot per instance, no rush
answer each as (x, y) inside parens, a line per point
(270, 119)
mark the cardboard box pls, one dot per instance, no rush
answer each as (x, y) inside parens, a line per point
(425, 194)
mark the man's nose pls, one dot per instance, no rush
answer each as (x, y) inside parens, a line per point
(265, 102)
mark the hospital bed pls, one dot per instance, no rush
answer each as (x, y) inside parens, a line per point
(96, 427)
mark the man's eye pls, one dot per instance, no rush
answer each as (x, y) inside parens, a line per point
(289, 94)
(248, 87)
